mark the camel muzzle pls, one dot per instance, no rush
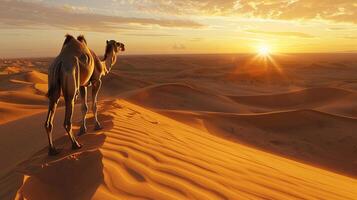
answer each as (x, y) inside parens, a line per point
(122, 47)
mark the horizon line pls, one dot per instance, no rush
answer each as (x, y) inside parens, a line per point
(190, 54)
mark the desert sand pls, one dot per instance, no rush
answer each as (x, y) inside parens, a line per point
(189, 127)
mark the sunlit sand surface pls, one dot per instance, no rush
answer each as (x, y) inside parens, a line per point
(189, 127)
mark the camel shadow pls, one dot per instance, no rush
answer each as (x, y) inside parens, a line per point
(70, 175)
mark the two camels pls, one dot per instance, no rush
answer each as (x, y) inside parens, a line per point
(72, 71)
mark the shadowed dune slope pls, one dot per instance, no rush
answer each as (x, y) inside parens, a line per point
(115, 84)
(313, 97)
(35, 77)
(178, 96)
(31, 77)
(144, 155)
(10, 111)
(23, 98)
(11, 69)
(22, 94)
(21, 138)
(306, 135)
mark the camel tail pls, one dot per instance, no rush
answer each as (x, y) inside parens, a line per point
(54, 80)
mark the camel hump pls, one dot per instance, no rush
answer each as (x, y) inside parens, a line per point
(68, 38)
(82, 39)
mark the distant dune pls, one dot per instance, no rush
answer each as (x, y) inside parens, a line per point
(182, 97)
(22, 94)
(188, 127)
(11, 70)
(312, 97)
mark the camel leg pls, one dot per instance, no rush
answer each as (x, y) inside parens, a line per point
(96, 86)
(49, 125)
(68, 123)
(69, 89)
(83, 93)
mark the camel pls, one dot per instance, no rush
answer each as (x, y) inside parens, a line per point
(71, 72)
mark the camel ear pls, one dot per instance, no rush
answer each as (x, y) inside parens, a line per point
(107, 41)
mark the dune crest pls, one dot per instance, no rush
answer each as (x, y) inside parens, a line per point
(11, 70)
(22, 94)
(312, 97)
(310, 136)
(179, 96)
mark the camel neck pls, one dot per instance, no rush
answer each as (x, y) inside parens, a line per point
(109, 62)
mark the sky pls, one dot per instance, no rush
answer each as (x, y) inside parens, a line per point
(36, 28)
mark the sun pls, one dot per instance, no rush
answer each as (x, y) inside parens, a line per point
(264, 50)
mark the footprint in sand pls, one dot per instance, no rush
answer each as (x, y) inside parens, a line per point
(149, 120)
(131, 113)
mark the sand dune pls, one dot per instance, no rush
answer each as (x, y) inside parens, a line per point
(22, 94)
(116, 83)
(332, 100)
(309, 136)
(10, 111)
(188, 127)
(29, 77)
(312, 97)
(22, 81)
(23, 98)
(169, 160)
(11, 70)
(184, 97)
(35, 77)
(20, 139)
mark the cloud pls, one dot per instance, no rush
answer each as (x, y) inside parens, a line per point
(286, 34)
(338, 11)
(148, 35)
(20, 14)
(350, 37)
(186, 6)
(178, 46)
(338, 29)
(197, 39)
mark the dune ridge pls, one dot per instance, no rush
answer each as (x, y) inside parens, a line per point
(185, 97)
(311, 97)
(22, 94)
(310, 136)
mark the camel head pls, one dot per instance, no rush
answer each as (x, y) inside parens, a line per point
(111, 50)
(116, 46)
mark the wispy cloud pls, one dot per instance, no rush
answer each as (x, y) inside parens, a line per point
(178, 46)
(149, 35)
(286, 34)
(338, 11)
(350, 37)
(197, 39)
(20, 14)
